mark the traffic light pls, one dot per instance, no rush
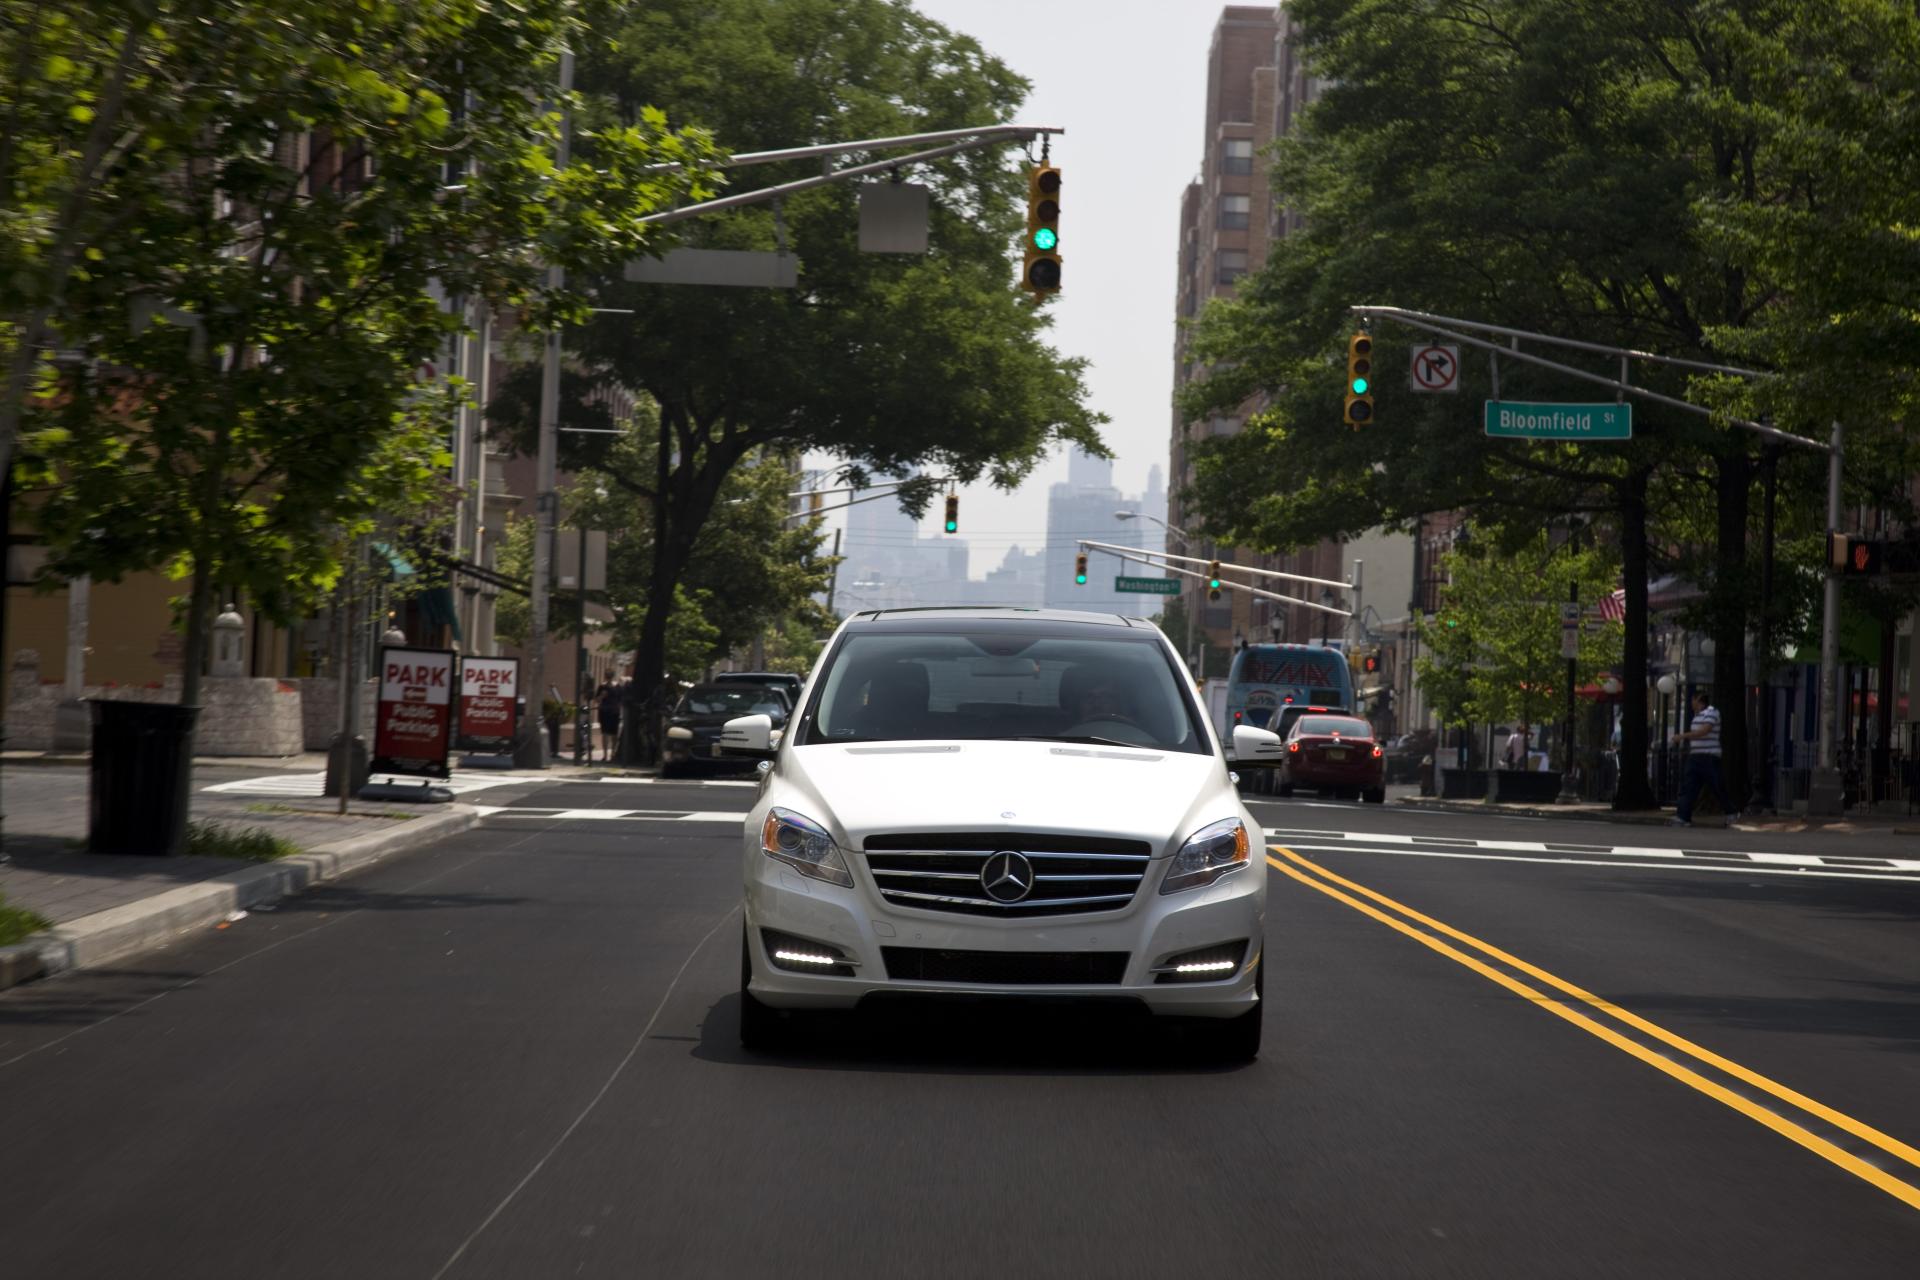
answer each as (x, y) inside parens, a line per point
(1359, 380)
(1080, 570)
(1041, 272)
(1213, 580)
(953, 513)
(1370, 662)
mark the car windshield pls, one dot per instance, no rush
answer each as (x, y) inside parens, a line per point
(1005, 682)
(741, 700)
(1335, 724)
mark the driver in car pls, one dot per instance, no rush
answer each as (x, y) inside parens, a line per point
(1100, 699)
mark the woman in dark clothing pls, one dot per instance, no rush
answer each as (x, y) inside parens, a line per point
(609, 719)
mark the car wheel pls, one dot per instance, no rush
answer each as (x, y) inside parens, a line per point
(761, 1029)
(1376, 795)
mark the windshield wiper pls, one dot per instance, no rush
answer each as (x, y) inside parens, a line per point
(1085, 739)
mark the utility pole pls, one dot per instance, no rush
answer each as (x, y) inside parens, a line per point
(833, 575)
(532, 751)
(1567, 793)
(1825, 793)
(582, 723)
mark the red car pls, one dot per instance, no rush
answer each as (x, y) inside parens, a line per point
(1336, 755)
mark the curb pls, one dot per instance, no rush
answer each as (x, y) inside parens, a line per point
(109, 935)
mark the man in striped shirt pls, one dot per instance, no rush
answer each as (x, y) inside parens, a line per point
(1703, 761)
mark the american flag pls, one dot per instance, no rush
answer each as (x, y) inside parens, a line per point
(1614, 607)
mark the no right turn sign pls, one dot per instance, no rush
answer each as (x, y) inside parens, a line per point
(1435, 368)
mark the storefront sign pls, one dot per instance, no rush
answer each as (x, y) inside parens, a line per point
(488, 688)
(414, 721)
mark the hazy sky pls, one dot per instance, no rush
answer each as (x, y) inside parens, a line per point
(1126, 79)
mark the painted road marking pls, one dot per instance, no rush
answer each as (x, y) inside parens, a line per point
(1389, 842)
(1324, 881)
(1619, 864)
(608, 815)
(311, 786)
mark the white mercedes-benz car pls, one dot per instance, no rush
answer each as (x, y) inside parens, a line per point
(1007, 802)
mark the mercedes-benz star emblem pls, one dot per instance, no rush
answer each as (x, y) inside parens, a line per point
(1007, 877)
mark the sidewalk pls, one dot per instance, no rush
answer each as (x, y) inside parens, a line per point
(1790, 823)
(103, 907)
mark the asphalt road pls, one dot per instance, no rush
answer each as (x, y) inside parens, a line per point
(513, 1055)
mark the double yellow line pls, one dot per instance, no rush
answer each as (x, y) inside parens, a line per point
(1344, 890)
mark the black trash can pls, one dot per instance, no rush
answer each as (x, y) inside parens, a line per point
(137, 787)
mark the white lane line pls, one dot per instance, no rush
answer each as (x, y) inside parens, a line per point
(1347, 839)
(681, 782)
(1677, 863)
(611, 815)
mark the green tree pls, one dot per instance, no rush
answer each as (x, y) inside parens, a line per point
(257, 284)
(884, 362)
(1586, 148)
(1492, 652)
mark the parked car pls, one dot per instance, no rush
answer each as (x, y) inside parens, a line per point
(783, 680)
(693, 730)
(1336, 755)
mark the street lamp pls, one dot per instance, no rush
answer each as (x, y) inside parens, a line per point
(1192, 611)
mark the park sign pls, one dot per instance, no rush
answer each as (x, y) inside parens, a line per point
(415, 712)
(1148, 586)
(488, 689)
(1523, 420)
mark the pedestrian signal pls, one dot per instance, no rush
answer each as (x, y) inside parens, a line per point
(1041, 272)
(1359, 380)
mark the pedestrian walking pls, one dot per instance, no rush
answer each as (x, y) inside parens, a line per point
(1516, 753)
(1703, 761)
(609, 718)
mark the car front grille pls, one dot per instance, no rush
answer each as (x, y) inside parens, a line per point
(1006, 968)
(1072, 875)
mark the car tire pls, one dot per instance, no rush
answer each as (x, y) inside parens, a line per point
(1376, 795)
(761, 1028)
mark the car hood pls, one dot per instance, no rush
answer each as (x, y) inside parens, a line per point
(886, 787)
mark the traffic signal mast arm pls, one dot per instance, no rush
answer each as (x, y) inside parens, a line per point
(1135, 556)
(971, 140)
(1239, 568)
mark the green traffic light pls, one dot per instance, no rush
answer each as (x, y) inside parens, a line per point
(1080, 579)
(1359, 386)
(953, 526)
(1045, 239)
(1213, 584)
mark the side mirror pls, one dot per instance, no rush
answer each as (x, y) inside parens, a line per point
(748, 736)
(1253, 746)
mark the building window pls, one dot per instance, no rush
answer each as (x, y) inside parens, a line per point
(1236, 156)
(1229, 265)
(1236, 212)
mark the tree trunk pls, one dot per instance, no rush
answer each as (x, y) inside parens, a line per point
(1729, 630)
(1633, 791)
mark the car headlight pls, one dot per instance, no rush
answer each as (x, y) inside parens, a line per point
(803, 845)
(1209, 853)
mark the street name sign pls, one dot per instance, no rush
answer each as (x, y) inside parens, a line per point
(1148, 586)
(1526, 420)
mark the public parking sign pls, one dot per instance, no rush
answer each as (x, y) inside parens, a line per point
(414, 722)
(488, 716)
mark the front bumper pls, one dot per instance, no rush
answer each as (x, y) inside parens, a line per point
(1148, 930)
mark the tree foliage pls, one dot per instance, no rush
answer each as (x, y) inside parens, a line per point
(885, 362)
(254, 269)
(1492, 652)
(1668, 175)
